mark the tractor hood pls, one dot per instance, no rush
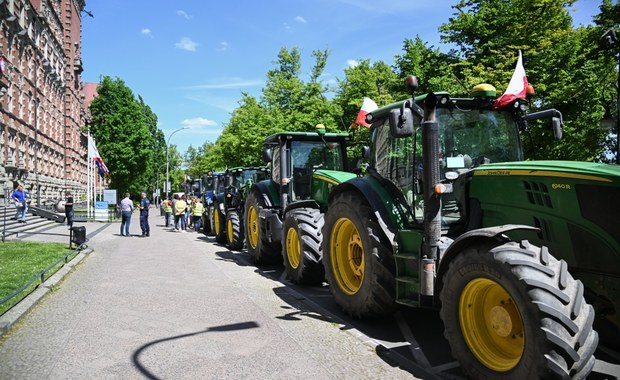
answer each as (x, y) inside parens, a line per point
(333, 176)
(589, 171)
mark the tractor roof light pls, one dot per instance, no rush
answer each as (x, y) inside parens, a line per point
(484, 90)
(320, 129)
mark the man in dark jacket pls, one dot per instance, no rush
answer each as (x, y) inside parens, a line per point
(144, 215)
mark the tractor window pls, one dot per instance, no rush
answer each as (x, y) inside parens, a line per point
(306, 156)
(316, 155)
(394, 160)
(469, 138)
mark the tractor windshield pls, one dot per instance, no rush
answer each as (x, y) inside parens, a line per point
(467, 138)
(306, 156)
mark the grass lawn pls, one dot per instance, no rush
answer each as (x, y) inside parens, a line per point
(21, 261)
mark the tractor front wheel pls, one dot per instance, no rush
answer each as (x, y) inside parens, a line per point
(261, 251)
(513, 311)
(358, 260)
(234, 231)
(219, 222)
(301, 246)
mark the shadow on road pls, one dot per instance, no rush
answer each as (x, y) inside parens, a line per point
(149, 375)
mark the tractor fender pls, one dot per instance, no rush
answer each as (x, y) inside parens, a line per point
(473, 237)
(267, 189)
(379, 204)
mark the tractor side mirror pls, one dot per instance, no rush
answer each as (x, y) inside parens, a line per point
(401, 122)
(557, 126)
(267, 155)
(366, 152)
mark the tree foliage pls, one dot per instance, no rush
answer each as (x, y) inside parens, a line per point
(125, 130)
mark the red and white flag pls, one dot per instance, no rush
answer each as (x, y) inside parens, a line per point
(367, 106)
(93, 154)
(516, 88)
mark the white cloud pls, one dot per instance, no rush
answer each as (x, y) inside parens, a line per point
(300, 19)
(223, 46)
(184, 14)
(286, 26)
(198, 122)
(186, 44)
(352, 63)
(146, 32)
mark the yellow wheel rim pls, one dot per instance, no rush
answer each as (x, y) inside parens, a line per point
(216, 221)
(229, 228)
(491, 324)
(293, 248)
(346, 252)
(253, 227)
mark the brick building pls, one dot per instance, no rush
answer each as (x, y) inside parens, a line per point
(42, 110)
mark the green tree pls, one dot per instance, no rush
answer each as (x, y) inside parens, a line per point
(122, 128)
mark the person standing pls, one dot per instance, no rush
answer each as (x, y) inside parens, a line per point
(197, 211)
(179, 214)
(167, 211)
(126, 210)
(144, 215)
(20, 197)
(69, 208)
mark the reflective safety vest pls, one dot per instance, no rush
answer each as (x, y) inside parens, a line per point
(197, 209)
(167, 206)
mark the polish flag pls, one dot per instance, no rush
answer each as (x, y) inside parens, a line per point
(367, 106)
(516, 88)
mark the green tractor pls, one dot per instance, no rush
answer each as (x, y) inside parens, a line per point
(212, 219)
(240, 180)
(284, 214)
(449, 216)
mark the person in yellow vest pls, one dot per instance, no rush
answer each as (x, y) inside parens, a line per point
(179, 213)
(167, 210)
(197, 209)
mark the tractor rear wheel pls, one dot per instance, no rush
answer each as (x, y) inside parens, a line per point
(301, 246)
(261, 251)
(234, 231)
(514, 311)
(219, 224)
(358, 260)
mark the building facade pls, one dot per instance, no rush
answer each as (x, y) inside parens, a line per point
(42, 111)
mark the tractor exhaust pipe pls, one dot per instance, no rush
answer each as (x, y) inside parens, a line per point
(432, 201)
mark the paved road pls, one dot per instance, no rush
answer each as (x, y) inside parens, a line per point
(177, 306)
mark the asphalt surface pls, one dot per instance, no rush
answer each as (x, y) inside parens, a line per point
(175, 306)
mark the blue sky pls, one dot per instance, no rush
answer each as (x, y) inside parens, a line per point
(190, 60)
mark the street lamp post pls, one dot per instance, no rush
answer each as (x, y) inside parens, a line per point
(167, 184)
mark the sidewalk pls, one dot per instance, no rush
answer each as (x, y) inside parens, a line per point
(177, 305)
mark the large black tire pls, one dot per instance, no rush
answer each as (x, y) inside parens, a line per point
(206, 224)
(513, 311)
(219, 224)
(358, 260)
(234, 231)
(261, 251)
(301, 246)
(210, 222)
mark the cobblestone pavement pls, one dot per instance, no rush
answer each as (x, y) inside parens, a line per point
(175, 306)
